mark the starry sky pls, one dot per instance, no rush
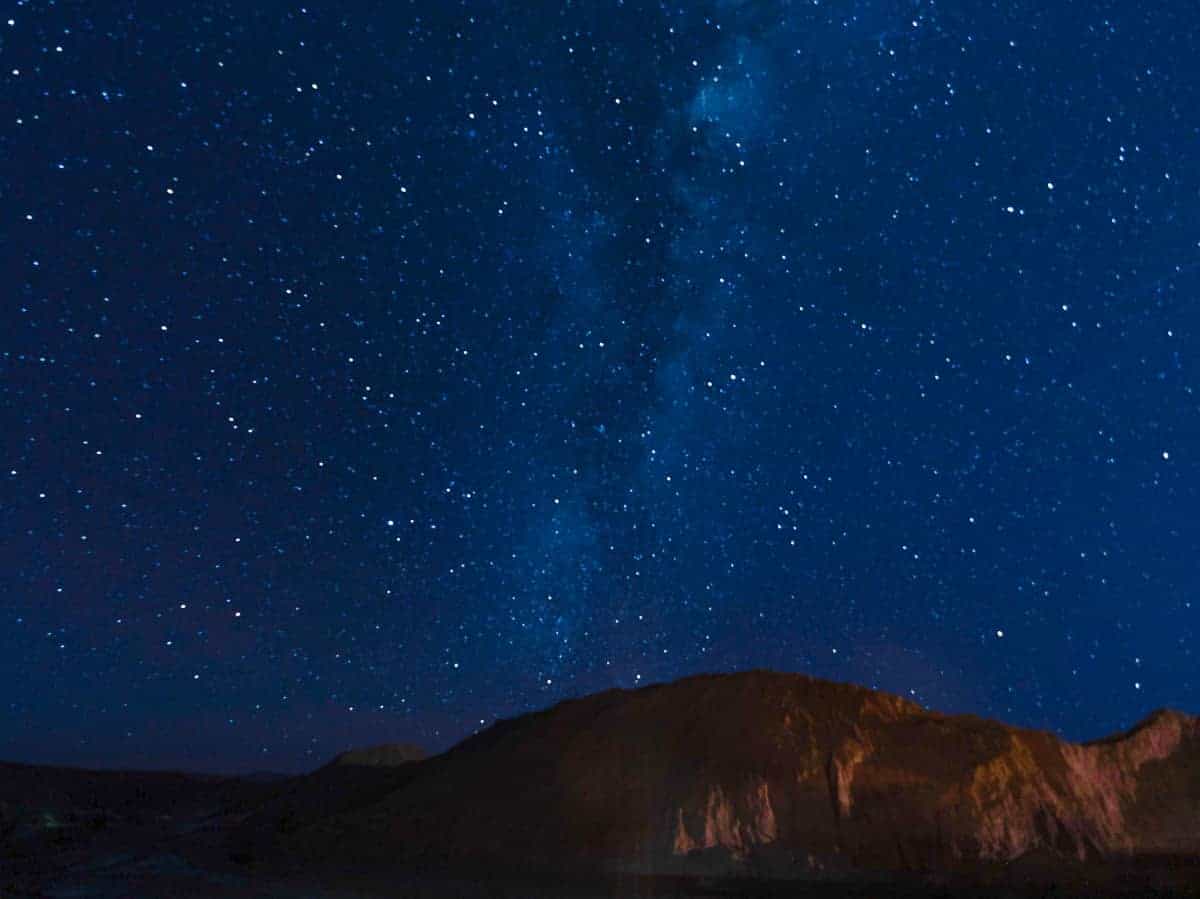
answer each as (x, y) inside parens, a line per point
(373, 370)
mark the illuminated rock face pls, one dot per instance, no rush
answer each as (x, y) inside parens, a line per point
(782, 775)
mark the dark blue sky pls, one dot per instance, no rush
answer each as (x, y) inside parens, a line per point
(372, 370)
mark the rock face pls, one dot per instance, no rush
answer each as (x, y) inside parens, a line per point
(777, 775)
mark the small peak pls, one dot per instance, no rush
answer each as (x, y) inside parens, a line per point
(1159, 719)
(1164, 716)
(382, 756)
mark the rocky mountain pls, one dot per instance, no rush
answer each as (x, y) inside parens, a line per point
(775, 775)
(666, 790)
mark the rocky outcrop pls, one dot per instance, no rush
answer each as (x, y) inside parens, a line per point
(780, 775)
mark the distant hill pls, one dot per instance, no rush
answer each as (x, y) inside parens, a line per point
(55, 822)
(57, 796)
(383, 755)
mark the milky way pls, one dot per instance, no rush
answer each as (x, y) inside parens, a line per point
(378, 370)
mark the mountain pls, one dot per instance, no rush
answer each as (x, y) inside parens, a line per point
(776, 775)
(713, 785)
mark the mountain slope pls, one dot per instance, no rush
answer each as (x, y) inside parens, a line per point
(775, 774)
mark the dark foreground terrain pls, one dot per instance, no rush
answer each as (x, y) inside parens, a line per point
(755, 785)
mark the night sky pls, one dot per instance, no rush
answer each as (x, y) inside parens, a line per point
(373, 370)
